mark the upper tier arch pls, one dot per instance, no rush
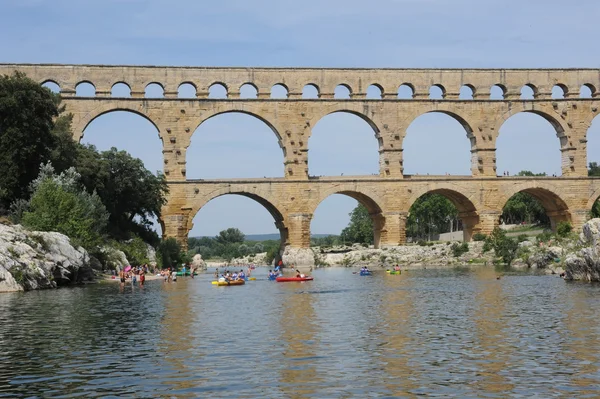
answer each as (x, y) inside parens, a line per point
(137, 77)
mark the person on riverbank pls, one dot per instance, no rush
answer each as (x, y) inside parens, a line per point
(142, 278)
(174, 276)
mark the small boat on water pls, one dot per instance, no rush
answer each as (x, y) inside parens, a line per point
(282, 279)
(393, 271)
(179, 274)
(366, 273)
(228, 283)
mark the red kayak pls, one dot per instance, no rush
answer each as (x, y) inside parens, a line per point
(286, 279)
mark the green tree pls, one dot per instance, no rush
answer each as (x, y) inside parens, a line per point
(504, 247)
(229, 236)
(431, 214)
(132, 194)
(59, 203)
(360, 229)
(523, 207)
(169, 253)
(26, 141)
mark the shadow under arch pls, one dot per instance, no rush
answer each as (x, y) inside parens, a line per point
(467, 207)
(556, 208)
(273, 210)
(370, 202)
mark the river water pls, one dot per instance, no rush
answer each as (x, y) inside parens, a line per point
(427, 333)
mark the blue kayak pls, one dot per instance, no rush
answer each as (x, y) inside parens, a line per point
(362, 273)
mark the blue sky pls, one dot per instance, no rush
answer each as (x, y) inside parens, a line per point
(332, 33)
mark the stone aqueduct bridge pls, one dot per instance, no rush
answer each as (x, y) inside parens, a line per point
(293, 199)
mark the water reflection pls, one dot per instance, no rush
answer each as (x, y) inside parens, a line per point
(493, 350)
(429, 333)
(581, 336)
(298, 375)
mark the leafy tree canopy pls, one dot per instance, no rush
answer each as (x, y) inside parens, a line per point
(230, 236)
(360, 229)
(26, 141)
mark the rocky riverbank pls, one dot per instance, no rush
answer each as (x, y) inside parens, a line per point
(31, 260)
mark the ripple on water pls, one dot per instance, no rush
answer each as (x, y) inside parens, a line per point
(432, 333)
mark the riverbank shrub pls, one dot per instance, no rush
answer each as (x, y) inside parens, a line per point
(564, 229)
(479, 237)
(504, 247)
(459, 249)
(59, 203)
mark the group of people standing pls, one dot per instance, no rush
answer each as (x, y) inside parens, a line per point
(134, 273)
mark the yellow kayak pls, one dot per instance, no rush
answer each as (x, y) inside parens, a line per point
(224, 283)
(393, 271)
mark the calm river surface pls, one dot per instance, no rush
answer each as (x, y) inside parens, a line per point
(429, 333)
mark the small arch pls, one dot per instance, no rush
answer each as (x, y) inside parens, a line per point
(187, 90)
(154, 90)
(437, 92)
(120, 89)
(555, 207)
(463, 210)
(279, 91)
(406, 91)
(342, 92)
(374, 92)
(587, 91)
(529, 92)
(331, 197)
(466, 92)
(85, 89)
(217, 91)
(52, 86)
(497, 92)
(248, 90)
(559, 91)
(311, 91)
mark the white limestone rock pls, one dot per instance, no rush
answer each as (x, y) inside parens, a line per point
(300, 258)
(198, 263)
(33, 260)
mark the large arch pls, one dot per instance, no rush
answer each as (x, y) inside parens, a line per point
(593, 141)
(331, 132)
(420, 148)
(370, 201)
(556, 207)
(467, 207)
(230, 208)
(128, 131)
(238, 155)
(535, 151)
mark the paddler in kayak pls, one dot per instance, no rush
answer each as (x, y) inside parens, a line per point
(397, 268)
(242, 276)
